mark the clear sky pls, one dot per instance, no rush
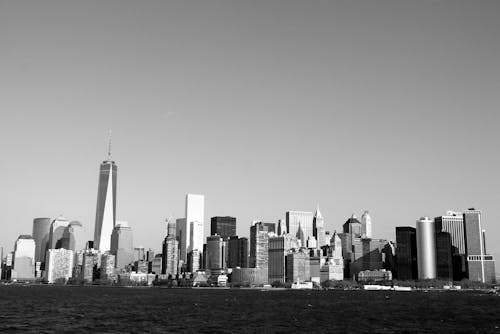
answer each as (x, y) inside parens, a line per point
(262, 106)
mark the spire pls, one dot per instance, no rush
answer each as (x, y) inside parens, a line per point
(109, 146)
(318, 214)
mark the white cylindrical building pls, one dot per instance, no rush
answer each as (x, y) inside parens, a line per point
(426, 248)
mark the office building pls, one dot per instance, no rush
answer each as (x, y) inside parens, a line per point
(352, 247)
(319, 229)
(170, 251)
(223, 226)
(374, 275)
(139, 253)
(41, 232)
(70, 235)
(300, 224)
(59, 266)
(91, 262)
(108, 267)
(480, 266)
(242, 252)
(215, 252)
(23, 267)
(233, 252)
(453, 223)
(195, 260)
(190, 229)
(372, 253)
(426, 248)
(278, 248)
(298, 266)
(406, 253)
(57, 229)
(366, 225)
(122, 245)
(444, 256)
(259, 246)
(156, 264)
(105, 219)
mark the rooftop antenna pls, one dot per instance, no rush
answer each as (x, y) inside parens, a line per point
(109, 145)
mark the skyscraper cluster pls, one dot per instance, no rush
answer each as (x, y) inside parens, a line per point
(297, 248)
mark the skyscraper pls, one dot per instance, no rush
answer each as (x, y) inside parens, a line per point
(444, 256)
(41, 231)
(59, 264)
(57, 228)
(453, 223)
(279, 246)
(480, 266)
(426, 248)
(319, 228)
(122, 246)
(366, 225)
(106, 204)
(215, 254)
(190, 229)
(223, 226)
(24, 258)
(259, 246)
(170, 252)
(406, 253)
(243, 252)
(300, 221)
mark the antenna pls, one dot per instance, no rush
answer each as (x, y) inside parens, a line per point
(109, 145)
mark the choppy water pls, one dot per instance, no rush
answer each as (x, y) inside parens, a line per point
(56, 309)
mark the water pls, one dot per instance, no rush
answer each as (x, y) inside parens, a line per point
(56, 309)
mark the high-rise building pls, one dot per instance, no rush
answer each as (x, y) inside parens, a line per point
(372, 253)
(90, 263)
(122, 245)
(242, 253)
(105, 218)
(332, 265)
(259, 246)
(223, 226)
(300, 224)
(215, 252)
(108, 271)
(426, 248)
(453, 223)
(444, 256)
(56, 234)
(70, 235)
(406, 253)
(190, 229)
(156, 264)
(59, 265)
(24, 258)
(279, 246)
(480, 266)
(170, 255)
(366, 225)
(352, 247)
(319, 228)
(139, 253)
(41, 231)
(298, 266)
(233, 252)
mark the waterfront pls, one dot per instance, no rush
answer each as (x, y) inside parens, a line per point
(55, 309)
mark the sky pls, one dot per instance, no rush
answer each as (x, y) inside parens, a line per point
(262, 106)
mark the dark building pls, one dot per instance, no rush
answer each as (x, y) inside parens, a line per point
(389, 257)
(271, 226)
(223, 226)
(232, 252)
(406, 253)
(237, 255)
(444, 256)
(243, 252)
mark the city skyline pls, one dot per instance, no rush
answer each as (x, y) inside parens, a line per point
(400, 124)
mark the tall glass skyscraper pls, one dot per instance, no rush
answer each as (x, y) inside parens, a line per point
(105, 217)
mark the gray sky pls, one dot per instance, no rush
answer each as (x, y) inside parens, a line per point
(263, 106)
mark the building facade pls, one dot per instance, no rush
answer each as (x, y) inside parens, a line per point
(223, 226)
(106, 205)
(426, 248)
(122, 246)
(59, 266)
(406, 253)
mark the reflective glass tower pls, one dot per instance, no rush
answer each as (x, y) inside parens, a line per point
(106, 204)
